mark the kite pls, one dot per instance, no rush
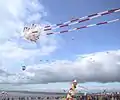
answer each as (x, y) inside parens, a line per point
(34, 31)
(71, 92)
(23, 68)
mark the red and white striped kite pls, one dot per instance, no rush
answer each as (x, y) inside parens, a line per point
(34, 31)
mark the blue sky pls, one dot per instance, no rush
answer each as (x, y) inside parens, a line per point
(90, 40)
(83, 58)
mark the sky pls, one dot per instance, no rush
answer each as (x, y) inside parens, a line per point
(93, 57)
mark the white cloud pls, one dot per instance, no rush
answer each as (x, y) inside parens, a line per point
(14, 15)
(101, 67)
(96, 67)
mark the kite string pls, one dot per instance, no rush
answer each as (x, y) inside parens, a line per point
(86, 26)
(81, 19)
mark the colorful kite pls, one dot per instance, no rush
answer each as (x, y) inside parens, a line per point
(72, 91)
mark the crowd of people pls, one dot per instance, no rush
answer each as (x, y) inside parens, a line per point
(111, 96)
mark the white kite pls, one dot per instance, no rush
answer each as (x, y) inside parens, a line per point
(32, 33)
